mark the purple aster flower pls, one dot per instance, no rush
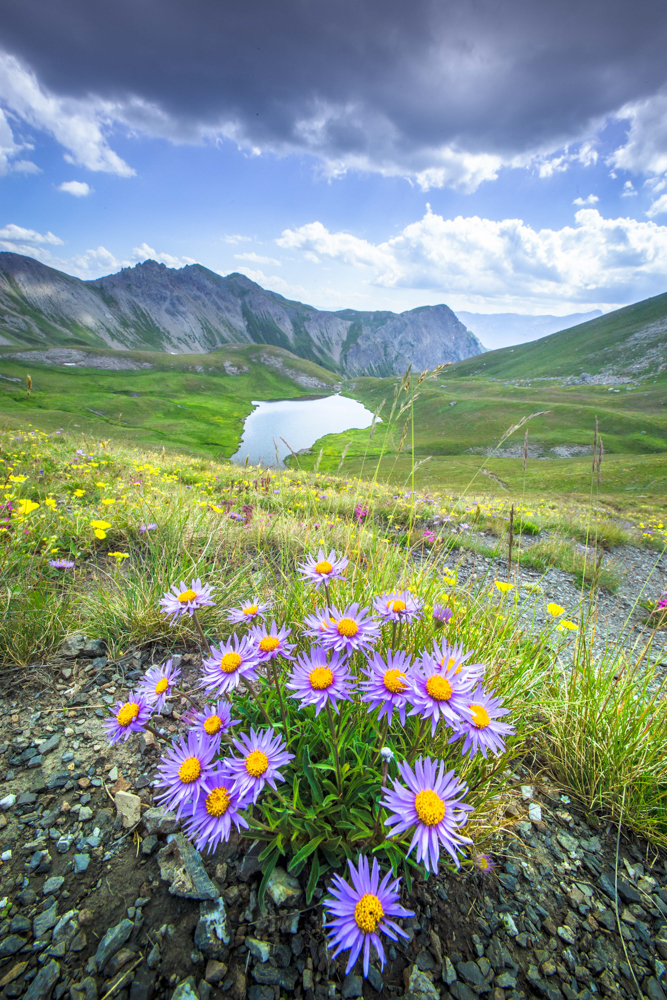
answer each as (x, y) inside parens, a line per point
(438, 693)
(261, 756)
(398, 606)
(156, 684)
(213, 721)
(453, 656)
(214, 812)
(361, 910)
(479, 726)
(353, 629)
(483, 863)
(147, 527)
(61, 563)
(387, 687)
(182, 770)
(324, 568)
(271, 642)
(228, 663)
(317, 624)
(127, 717)
(184, 599)
(320, 683)
(248, 612)
(432, 805)
(441, 614)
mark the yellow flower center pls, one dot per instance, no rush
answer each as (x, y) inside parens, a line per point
(439, 688)
(256, 763)
(212, 725)
(482, 862)
(127, 713)
(230, 662)
(368, 913)
(429, 807)
(187, 595)
(161, 685)
(251, 610)
(217, 802)
(347, 627)
(450, 663)
(189, 770)
(320, 678)
(269, 643)
(396, 605)
(480, 716)
(323, 567)
(394, 681)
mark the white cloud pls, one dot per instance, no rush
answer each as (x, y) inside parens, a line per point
(506, 263)
(645, 151)
(275, 283)
(659, 206)
(236, 238)
(25, 167)
(629, 190)
(144, 252)
(76, 124)
(591, 200)
(78, 188)
(255, 258)
(18, 233)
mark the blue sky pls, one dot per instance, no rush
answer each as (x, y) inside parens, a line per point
(469, 173)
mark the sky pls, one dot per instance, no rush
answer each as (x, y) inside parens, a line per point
(370, 154)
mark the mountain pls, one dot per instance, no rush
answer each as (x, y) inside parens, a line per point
(505, 329)
(192, 310)
(628, 343)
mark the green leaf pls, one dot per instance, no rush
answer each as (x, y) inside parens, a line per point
(267, 871)
(312, 878)
(305, 851)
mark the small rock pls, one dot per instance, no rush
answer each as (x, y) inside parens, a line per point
(215, 971)
(261, 950)
(113, 773)
(53, 885)
(153, 959)
(353, 986)
(421, 986)
(10, 945)
(535, 812)
(85, 990)
(527, 792)
(85, 813)
(8, 801)
(118, 962)
(42, 985)
(375, 979)
(143, 983)
(81, 862)
(471, 972)
(158, 820)
(66, 928)
(566, 934)
(129, 808)
(181, 866)
(51, 744)
(510, 926)
(186, 990)
(72, 646)
(148, 844)
(448, 971)
(44, 921)
(86, 917)
(14, 973)
(113, 941)
(282, 887)
(212, 932)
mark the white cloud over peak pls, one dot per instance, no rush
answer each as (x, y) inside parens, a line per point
(77, 188)
(506, 263)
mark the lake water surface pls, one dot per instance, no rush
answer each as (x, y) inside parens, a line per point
(300, 421)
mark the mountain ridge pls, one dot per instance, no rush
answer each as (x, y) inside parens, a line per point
(195, 310)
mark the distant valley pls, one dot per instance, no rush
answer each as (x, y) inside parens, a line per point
(192, 310)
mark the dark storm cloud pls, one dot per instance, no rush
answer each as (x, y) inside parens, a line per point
(402, 85)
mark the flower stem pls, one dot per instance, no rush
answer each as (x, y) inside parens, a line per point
(155, 733)
(335, 749)
(326, 593)
(383, 737)
(257, 699)
(393, 634)
(417, 743)
(203, 638)
(274, 672)
(188, 698)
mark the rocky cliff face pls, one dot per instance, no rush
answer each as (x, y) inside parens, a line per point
(194, 310)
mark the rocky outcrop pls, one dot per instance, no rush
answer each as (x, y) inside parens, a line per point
(194, 310)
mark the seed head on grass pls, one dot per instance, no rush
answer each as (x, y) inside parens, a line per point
(186, 600)
(320, 682)
(431, 802)
(360, 913)
(127, 717)
(261, 755)
(217, 807)
(479, 726)
(387, 685)
(182, 771)
(156, 684)
(398, 606)
(323, 568)
(228, 663)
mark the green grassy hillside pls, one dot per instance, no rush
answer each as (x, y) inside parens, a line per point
(186, 402)
(626, 342)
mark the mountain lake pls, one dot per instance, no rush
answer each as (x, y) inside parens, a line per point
(300, 422)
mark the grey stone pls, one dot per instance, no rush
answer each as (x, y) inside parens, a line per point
(40, 862)
(567, 842)
(42, 985)
(215, 971)
(653, 989)
(510, 926)
(471, 972)
(506, 981)
(81, 862)
(72, 646)
(67, 927)
(448, 971)
(148, 844)
(462, 992)
(270, 976)
(44, 921)
(48, 745)
(212, 931)
(63, 844)
(181, 866)
(353, 986)
(260, 993)
(19, 924)
(420, 984)
(261, 950)
(204, 990)
(566, 934)
(85, 990)
(425, 961)
(153, 959)
(157, 820)
(143, 984)
(10, 945)
(186, 990)
(282, 887)
(53, 884)
(375, 979)
(113, 941)
(85, 813)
